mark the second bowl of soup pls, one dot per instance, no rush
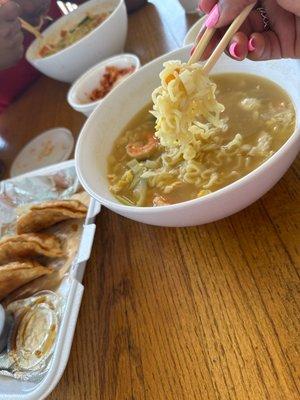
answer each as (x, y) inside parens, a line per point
(237, 154)
(96, 30)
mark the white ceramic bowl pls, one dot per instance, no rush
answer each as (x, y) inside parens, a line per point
(190, 6)
(104, 41)
(80, 90)
(118, 108)
(190, 37)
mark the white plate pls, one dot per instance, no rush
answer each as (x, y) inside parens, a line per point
(50, 147)
(190, 37)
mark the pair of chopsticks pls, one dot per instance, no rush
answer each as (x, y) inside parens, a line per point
(25, 25)
(32, 29)
(208, 34)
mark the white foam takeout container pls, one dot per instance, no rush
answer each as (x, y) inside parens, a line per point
(12, 389)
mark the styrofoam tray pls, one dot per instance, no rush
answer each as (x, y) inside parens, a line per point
(12, 389)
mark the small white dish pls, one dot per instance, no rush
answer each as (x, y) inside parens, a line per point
(191, 36)
(78, 95)
(107, 122)
(50, 147)
(104, 41)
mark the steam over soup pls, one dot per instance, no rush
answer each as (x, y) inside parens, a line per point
(200, 136)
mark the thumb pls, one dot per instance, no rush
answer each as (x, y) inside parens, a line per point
(225, 11)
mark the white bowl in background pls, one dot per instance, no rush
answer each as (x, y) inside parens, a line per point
(192, 34)
(104, 41)
(80, 90)
(106, 123)
(190, 6)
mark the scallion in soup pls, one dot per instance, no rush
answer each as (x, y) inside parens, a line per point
(202, 144)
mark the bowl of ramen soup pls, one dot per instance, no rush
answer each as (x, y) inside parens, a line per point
(96, 30)
(174, 147)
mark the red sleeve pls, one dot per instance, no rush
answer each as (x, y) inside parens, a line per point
(15, 80)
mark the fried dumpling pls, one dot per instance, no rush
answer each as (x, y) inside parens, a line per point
(83, 197)
(43, 215)
(29, 245)
(18, 273)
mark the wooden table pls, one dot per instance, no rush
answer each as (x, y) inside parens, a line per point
(204, 313)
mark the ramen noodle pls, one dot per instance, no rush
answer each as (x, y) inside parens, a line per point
(201, 134)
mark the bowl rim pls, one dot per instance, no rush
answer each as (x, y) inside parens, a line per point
(199, 23)
(51, 27)
(85, 76)
(236, 185)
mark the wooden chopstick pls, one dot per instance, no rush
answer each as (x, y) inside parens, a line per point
(234, 27)
(31, 29)
(201, 46)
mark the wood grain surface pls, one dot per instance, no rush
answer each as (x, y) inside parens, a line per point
(202, 313)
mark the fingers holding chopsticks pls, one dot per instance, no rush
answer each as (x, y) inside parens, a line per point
(238, 47)
(221, 13)
(272, 28)
(11, 36)
(265, 46)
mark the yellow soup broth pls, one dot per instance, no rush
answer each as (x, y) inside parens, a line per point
(70, 36)
(259, 119)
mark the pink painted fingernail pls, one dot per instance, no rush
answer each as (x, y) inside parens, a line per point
(233, 50)
(192, 51)
(251, 44)
(213, 17)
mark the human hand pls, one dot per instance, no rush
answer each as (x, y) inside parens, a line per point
(271, 31)
(33, 10)
(11, 36)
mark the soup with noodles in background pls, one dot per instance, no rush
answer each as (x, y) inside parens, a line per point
(71, 35)
(145, 170)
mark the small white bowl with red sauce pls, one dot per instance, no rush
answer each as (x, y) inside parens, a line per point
(93, 86)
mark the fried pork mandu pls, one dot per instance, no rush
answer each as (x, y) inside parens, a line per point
(43, 215)
(29, 245)
(18, 273)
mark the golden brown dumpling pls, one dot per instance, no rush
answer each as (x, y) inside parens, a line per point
(43, 215)
(29, 245)
(18, 273)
